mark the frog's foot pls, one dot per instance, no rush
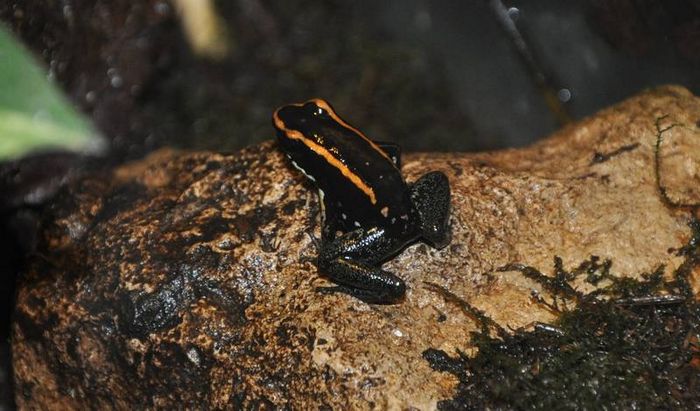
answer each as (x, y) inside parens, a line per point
(431, 197)
(368, 283)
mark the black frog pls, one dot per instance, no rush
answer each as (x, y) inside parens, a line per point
(369, 213)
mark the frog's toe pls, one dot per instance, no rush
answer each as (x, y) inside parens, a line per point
(438, 238)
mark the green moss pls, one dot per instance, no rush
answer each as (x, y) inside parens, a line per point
(633, 344)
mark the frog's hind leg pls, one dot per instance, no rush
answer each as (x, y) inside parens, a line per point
(367, 283)
(431, 197)
(352, 261)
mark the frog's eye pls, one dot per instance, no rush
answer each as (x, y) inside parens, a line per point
(318, 111)
(313, 109)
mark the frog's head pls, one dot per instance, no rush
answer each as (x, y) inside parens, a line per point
(302, 121)
(300, 132)
(314, 125)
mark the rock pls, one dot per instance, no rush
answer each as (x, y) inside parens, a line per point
(186, 279)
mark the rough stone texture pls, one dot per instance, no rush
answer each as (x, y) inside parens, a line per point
(186, 279)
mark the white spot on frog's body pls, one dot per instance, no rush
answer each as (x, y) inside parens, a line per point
(345, 217)
(321, 196)
(367, 163)
(385, 211)
(404, 217)
(357, 224)
(309, 176)
(393, 220)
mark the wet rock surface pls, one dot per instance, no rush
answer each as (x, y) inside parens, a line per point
(188, 278)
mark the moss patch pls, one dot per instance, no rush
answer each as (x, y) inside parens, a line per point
(632, 344)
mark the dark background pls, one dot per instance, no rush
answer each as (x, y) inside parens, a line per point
(431, 75)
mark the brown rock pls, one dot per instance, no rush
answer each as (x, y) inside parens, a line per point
(185, 279)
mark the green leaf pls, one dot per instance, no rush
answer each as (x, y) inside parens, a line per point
(34, 115)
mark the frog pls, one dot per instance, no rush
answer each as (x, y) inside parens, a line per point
(369, 213)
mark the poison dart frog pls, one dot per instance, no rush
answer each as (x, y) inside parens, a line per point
(369, 213)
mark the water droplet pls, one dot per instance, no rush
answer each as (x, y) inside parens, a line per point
(564, 95)
(162, 8)
(68, 12)
(514, 13)
(116, 81)
(114, 78)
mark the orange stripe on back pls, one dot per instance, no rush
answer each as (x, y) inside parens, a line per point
(327, 155)
(324, 105)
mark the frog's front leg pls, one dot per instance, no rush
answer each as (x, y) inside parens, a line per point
(352, 262)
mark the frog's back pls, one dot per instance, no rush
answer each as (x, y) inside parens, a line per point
(358, 181)
(365, 181)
